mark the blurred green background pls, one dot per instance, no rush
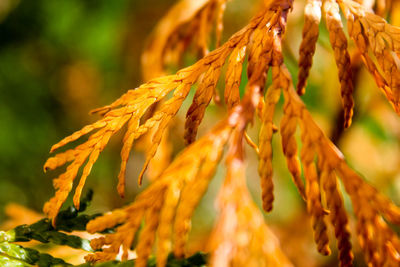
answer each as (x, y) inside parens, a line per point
(59, 59)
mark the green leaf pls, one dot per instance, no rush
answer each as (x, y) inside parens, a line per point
(16, 255)
(43, 231)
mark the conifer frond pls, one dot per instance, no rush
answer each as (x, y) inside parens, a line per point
(167, 205)
(313, 194)
(192, 169)
(268, 52)
(188, 21)
(370, 206)
(241, 237)
(338, 215)
(202, 98)
(372, 33)
(128, 109)
(234, 74)
(312, 17)
(339, 45)
(288, 130)
(379, 242)
(131, 107)
(265, 138)
(178, 190)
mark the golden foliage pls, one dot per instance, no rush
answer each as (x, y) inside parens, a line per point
(266, 132)
(187, 21)
(129, 109)
(312, 17)
(167, 205)
(374, 205)
(372, 33)
(185, 179)
(167, 44)
(342, 57)
(241, 237)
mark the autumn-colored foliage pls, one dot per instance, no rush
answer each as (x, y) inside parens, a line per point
(161, 215)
